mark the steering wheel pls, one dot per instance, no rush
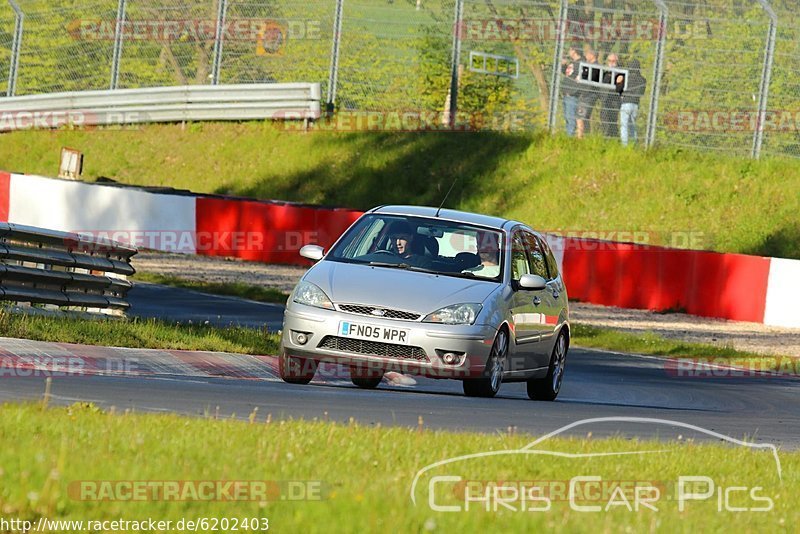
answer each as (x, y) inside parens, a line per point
(390, 252)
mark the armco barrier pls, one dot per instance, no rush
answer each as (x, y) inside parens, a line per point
(727, 286)
(279, 101)
(44, 266)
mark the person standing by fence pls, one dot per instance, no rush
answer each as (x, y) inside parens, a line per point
(629, 109)
(610, 105)
(569, 88)
(587, 98)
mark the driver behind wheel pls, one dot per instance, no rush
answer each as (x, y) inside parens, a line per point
(401, 239)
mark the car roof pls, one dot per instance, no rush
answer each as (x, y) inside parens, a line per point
(447, 214)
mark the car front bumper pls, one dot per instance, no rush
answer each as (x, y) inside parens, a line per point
(423, 354)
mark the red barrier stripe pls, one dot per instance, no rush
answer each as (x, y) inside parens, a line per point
(5, 195)
(263, 231)
(729, 286)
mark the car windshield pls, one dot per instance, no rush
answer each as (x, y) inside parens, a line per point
(422, 244)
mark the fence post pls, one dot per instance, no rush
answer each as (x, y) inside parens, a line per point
(658, 69)
(333, 76)
(456, 61)
(222, 8)
(118, 34)
(766, 76)
(16, 45)
(555, 81)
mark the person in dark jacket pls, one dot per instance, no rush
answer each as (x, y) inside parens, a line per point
(569, 88)
(629, 109)
(610, 104)
(587, 98)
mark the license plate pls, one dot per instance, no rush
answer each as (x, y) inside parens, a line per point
(385, 334)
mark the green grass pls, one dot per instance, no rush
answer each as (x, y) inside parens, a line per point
(364, 473)
(678, 197)
(652, 344)
(234, 289)
(137, 333)
(150, 333)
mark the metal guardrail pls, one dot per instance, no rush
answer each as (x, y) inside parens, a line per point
(162, 104)
(63, 269)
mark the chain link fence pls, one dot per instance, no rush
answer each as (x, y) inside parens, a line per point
(714, 74)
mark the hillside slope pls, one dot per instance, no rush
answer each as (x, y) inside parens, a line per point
(669, 197)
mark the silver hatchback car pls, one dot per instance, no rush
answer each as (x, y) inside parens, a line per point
(432, 292)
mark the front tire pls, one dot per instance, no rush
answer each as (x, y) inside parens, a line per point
(547, 388)
(489, 384)
(364, 377)
(295, 370)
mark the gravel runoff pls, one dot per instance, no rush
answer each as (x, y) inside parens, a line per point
(753, 337)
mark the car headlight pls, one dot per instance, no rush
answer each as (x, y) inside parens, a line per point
(311, 295)
(456, 314)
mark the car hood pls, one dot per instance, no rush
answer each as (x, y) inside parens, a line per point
(415, 291)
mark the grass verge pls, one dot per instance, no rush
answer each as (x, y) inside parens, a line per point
(672, 196)
(137, 333)
(154, 334)
(653, 344)
(351, 478)
(233, 289)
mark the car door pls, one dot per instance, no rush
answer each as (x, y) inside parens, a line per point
(555, 287)
(526, 330)
(546, 306)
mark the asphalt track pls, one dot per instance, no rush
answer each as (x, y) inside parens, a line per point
(175, 304)
(597, 384)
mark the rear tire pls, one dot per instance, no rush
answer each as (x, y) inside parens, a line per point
(295, 370)
(489, 384)
(547, 388)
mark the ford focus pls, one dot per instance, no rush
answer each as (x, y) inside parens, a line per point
(432, 292)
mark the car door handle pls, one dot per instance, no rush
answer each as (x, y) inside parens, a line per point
(536, 301)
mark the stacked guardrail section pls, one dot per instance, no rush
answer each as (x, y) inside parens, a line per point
(290, 101)
(63, 269)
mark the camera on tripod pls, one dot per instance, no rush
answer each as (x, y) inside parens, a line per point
(602, 76)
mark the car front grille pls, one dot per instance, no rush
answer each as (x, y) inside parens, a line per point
(387, 313)
(373, 348)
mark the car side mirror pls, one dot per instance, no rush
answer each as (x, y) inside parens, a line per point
(532, 282)
(312, 252)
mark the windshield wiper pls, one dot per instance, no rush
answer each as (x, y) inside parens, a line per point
(386, 264)
(405, 266)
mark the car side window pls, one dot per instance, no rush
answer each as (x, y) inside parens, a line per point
(552, 265)
(538, 264)
(519, 259)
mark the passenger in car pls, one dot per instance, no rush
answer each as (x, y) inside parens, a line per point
(489, 252)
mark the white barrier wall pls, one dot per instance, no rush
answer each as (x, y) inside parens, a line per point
(131, 216)
(762, 289)
(783, 293)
